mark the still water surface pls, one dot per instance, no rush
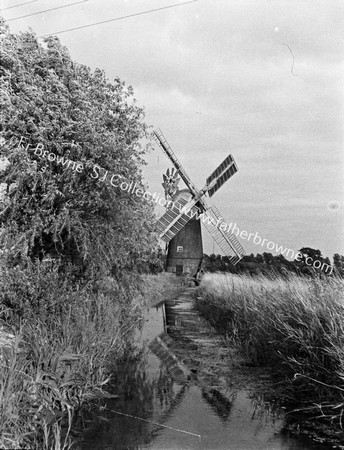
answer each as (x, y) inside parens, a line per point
(162, 410)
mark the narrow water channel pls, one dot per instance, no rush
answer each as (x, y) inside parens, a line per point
(163, 406)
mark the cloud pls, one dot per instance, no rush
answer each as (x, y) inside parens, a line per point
(262, 80)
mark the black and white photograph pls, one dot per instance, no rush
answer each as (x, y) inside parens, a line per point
(171, 224)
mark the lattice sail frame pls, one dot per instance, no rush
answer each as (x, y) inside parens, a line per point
(227, 242)
(175, 218)
(160, 138)
(222, 174)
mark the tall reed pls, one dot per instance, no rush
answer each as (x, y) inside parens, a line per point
(295, 325)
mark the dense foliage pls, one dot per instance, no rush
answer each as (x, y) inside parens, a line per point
(75, 113)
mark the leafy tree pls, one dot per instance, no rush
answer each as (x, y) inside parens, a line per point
(64, 108)
(309, 257)
(212, 257)
(338, 262)
(259, 258)
(310, 252)
(268, 258)
(250, 258)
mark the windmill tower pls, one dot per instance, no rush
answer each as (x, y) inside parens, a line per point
(185, 250)
(180, 226)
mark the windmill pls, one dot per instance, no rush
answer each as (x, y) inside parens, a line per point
(180, 226)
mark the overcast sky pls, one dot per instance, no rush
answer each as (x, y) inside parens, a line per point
(262, 80)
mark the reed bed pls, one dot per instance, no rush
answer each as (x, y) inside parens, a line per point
(67, 342)
(294, 325)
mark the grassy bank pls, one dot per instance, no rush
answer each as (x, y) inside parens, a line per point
(158, 288)
(296, 326)
(67, 342)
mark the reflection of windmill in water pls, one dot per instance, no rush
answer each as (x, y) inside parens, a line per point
(220, 402)
(179, 226)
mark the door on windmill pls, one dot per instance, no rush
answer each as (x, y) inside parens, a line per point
(179, 270)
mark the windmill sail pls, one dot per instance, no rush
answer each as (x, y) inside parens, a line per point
(174, 219)
(227, 242)
(160, 138)
(220, 175)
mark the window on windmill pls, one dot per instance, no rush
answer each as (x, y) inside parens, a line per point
(179, 248)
